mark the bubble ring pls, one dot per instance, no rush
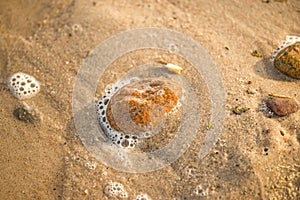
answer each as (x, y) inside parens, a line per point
(102, 56)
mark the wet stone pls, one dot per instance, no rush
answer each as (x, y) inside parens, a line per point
(25, 115)
(282, 106)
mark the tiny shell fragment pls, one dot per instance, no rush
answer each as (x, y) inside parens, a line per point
(282, 106)
(174, 68)
(169, 66)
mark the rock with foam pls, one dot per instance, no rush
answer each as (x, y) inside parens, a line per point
(131, 111)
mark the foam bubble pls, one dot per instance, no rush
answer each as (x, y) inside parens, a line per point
(115, 189)
(142, 197)
(23, 86)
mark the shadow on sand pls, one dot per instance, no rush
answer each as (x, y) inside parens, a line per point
(264, 69)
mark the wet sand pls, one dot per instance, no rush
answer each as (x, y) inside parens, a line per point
(256, 157)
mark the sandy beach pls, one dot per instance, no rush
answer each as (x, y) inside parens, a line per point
(256, 156)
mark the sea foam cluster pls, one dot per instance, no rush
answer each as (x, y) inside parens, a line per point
(142, 197)
(23, 86)
(115, 189)
(123, 140)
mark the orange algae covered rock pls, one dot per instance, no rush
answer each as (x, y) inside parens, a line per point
(143, 106)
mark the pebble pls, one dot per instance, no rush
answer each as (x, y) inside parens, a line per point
(282, 106)
(26, 115)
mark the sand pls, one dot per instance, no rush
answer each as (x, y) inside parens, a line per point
(256, 157)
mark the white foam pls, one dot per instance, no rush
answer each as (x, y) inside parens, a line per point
(120, 139)
(142, 197)
(23, 86)
(115, 189)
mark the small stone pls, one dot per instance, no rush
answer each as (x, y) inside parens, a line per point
(282, 106)
(26, 115)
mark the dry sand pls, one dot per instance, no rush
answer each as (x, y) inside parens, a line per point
(256, 157)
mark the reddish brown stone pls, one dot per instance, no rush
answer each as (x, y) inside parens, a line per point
(282, 106)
